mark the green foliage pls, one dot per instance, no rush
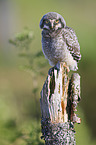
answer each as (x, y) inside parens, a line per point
(23, 40)
(32, 133)
(17, 134)
(35, 60)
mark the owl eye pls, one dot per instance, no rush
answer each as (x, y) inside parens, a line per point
(56, 21)
(46, 21)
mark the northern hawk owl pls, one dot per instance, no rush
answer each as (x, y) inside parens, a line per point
(59, 42)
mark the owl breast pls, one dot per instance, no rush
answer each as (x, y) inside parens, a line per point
(53, 47)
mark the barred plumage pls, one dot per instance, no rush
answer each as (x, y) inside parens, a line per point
(72, 42)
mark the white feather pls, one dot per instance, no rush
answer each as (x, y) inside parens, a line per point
(46, 27)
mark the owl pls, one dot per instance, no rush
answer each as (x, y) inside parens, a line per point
(59, 42)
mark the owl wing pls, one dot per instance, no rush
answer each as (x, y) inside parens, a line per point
(72, 43)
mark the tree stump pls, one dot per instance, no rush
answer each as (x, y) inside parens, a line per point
(59, 98)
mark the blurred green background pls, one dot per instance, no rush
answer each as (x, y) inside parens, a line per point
(20, 88)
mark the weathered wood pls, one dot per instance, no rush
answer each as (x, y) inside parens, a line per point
(59, 98)
(73, 98)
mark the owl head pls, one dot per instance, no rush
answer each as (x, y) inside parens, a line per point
(52, 21)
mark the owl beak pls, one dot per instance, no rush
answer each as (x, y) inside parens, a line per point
(52, 25)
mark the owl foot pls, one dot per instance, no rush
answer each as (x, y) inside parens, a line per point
(65, 66)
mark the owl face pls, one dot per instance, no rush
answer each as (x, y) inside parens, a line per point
(52, 24)
(52, 21)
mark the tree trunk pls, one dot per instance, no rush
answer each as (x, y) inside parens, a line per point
(59, 98)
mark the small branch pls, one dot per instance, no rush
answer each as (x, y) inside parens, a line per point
(59, 98)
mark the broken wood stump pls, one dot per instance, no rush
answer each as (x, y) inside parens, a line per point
(59, 98)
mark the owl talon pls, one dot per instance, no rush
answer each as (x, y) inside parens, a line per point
(65, 66)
